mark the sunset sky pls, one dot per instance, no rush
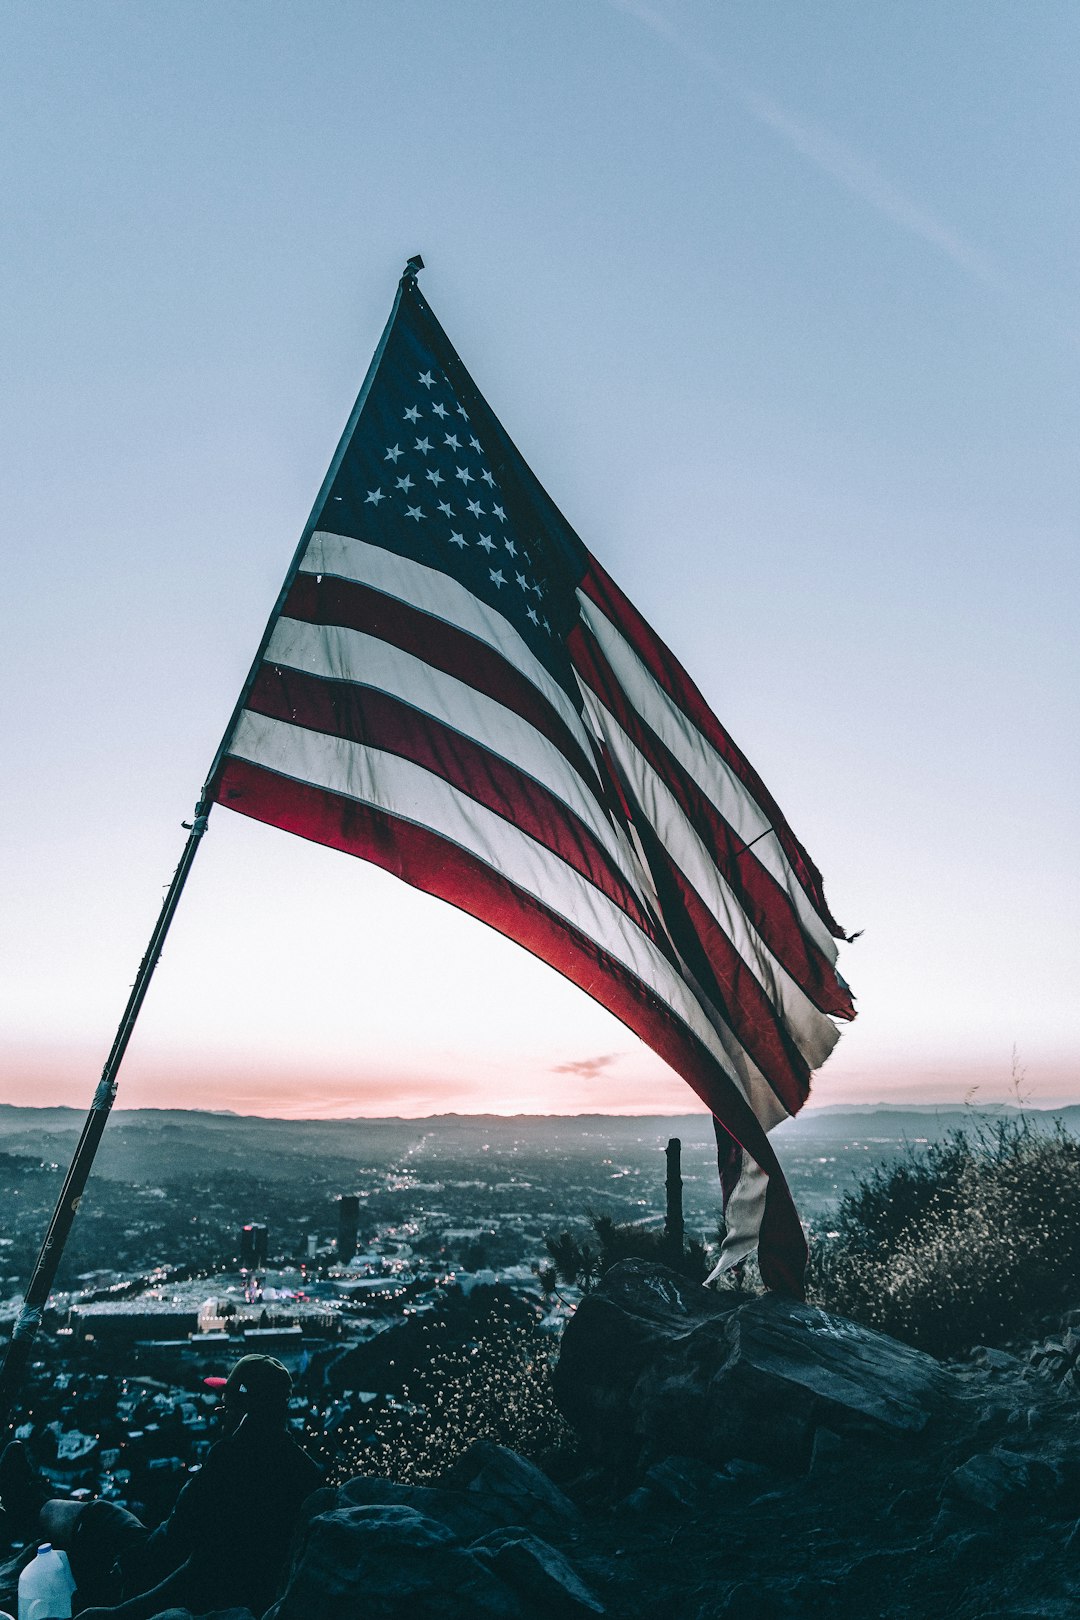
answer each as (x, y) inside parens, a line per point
(780, 304)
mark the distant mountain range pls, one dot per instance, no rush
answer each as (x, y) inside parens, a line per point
(145, 1143)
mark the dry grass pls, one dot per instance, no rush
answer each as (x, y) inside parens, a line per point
(498, 1387)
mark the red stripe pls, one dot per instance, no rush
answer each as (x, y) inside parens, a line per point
(670, 675)
(332, 601)
(762, 898)
(433, 864)
(363, 715)
(725, 978)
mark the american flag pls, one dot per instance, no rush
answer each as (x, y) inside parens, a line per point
(453, 688)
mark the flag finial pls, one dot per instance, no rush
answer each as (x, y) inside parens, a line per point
(412, 268)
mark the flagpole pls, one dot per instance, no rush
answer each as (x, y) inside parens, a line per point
(39, 1287)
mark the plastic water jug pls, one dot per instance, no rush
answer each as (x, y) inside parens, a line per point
(45, 1586)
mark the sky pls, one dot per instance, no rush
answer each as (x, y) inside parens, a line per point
(780, 303)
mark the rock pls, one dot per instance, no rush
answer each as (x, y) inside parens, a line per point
(650, 1358)
(504, 1484)
(917, 1502)
(389, 1563)
(996, 1360)
(884, 1564)
(828, 1452)
(746, 1602)
(688, 1480)
(995, 1479)
(217, 1614)
(542, 1578)
(967, 1550)
(464, 1512)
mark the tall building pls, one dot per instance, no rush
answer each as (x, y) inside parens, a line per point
(253, 1246)
(348, 1221)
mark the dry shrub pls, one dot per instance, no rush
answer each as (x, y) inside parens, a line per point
(498, 1387)
(963, 1242)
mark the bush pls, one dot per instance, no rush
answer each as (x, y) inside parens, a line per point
(498, 1387)
(966, 1241)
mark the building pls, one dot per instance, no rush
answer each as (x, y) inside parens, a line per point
(253, 1246)
(348, 1223)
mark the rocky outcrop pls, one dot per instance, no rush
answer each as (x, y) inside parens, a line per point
(653, 1361)
(473, 1547)
(390, 1563)
(751, 1459)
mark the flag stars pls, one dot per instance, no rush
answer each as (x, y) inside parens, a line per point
(499, 513)
(440, 411)
(522, 581)
(475, 444)
(405, 483)
(458, 540)
(463, 412)
(434, 477)
(476, 509)
(509, 544)
(487, 542)
(393, 453)
(412, 414)
(488, 480)
(446, 509)
(530, 613)
(423, 445)
(415, 513)
(498, 578)
(427, 379)
(374, 496)
(465, 475)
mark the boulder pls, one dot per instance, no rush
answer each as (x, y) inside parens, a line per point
(389, 1562)
(543, 1579)
(502, 1483)
(688, 1480)
(464, 1512)
(218, 1614)
(650, 1359)
(997, 1479)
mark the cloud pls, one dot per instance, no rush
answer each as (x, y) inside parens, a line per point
(587, 1068)
(824, 152)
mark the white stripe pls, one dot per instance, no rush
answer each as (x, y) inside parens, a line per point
(430, 591)
(743, 1216)
(334, 653)
(813, 1032)
(697, 755)
(403, 789)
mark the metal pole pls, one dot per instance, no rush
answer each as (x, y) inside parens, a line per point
(40, 1285)
(673, 1223)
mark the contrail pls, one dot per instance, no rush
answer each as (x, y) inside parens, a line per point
(859, 176)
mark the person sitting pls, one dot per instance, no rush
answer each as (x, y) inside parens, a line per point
(225, 1542)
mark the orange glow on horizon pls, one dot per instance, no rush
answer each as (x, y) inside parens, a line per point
(627, 1083)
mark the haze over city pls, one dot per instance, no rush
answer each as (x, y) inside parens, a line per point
(779, 305)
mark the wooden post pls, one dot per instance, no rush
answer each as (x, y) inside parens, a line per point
(673, 1223)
